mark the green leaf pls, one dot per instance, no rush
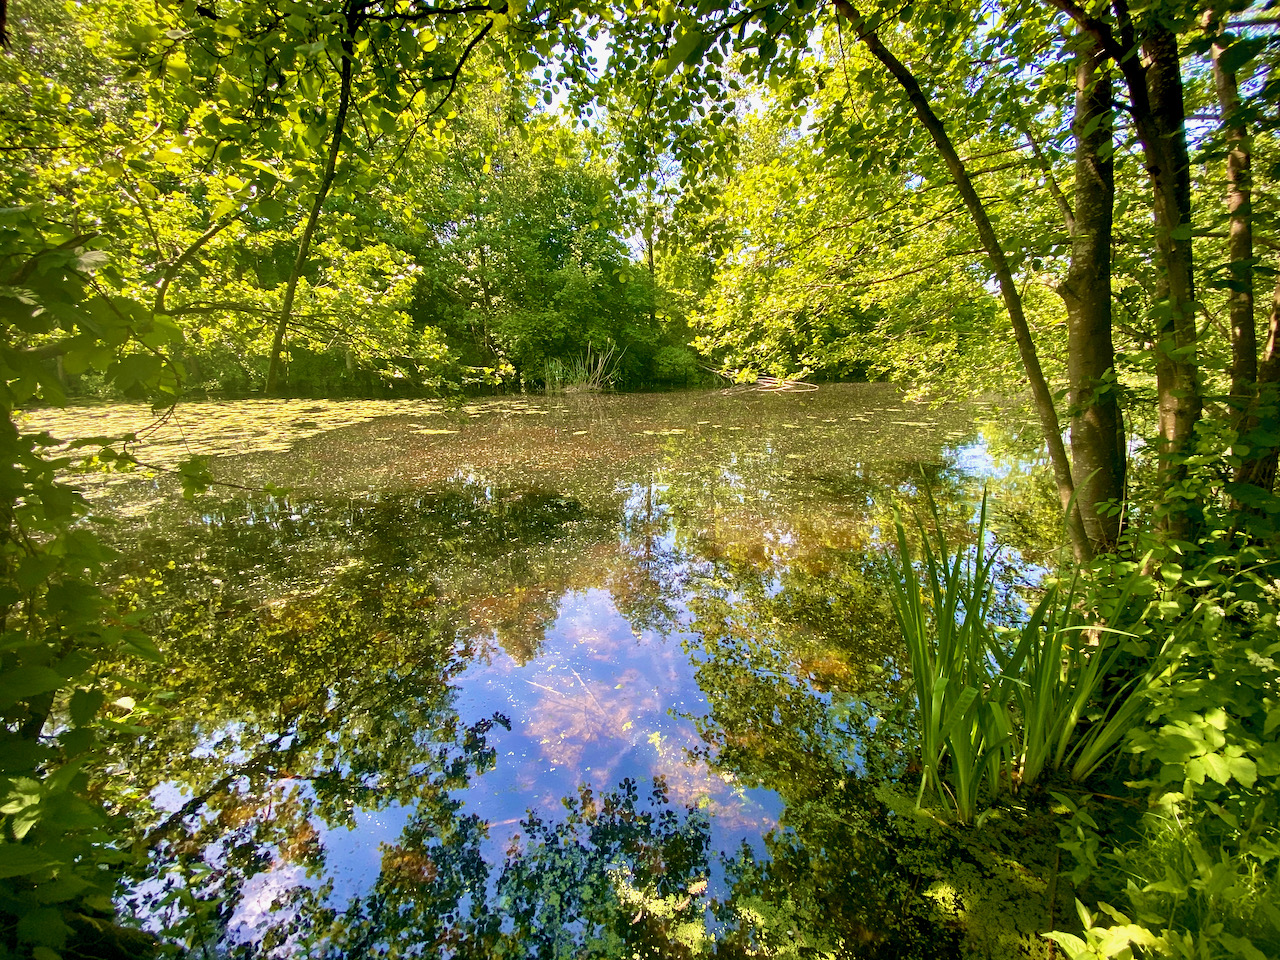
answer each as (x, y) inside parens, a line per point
(22, 683)
(45, 926)
(162, 333)
(84, 706)
(22, 821)
(21, 755)
(1241, 947)
(1243, 769)
(137, 368)
(686, 50)
(1273, 721)
(34, 570)
(1073, 945)
(269, 208)
(20, 860)
(195, 474)
(62, 778)
(222, 208)
(1240, 53)
(1214, 765)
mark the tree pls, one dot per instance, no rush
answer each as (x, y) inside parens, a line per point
(987, 71)
(1043, 397)
(315, 92)
(60, 311)
(1098, 446)
(515, 222)
(1252, 380)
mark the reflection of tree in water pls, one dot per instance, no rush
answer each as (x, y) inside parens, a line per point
(648, 585)
(503, 558)
(800, 660)
(294, 720)
(789, 658)
(297, 710)
(619, 876)
(428, 900)
(294, 711)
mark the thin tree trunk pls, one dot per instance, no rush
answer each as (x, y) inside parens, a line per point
(171, 269)
(653, 270)
(326, 182)
(1244, 333)
(1253, 389)
(1041, 395)
(486, 299)
(1098, 451)
(1260, 469)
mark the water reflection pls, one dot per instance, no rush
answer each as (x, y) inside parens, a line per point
(635, 699)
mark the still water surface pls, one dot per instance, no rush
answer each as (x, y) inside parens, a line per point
(557, 676)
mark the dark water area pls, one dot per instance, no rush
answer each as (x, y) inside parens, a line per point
(575, 676)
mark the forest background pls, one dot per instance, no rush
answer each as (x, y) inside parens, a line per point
(400, 197)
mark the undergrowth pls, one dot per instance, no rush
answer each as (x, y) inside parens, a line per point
(1144, 694)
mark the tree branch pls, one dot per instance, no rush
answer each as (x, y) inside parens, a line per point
(171, 270)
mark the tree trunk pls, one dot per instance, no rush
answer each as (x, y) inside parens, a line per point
(486, 300)
(1164, 137)
(1154, 82)
(1253, 389)
(326, 182)
(1098, 449)
(1244, 333)
(1259, 469)
(1041, 395)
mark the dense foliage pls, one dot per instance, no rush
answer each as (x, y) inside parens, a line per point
(365, 197)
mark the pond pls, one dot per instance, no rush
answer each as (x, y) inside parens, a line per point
(538, 676)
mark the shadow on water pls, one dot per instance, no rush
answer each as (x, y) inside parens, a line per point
(647, 704)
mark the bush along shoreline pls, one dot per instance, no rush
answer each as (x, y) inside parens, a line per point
(1141, 698)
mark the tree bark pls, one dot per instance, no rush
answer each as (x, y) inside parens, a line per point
(1098, 449)
(1041, 395)
(1259, 469)
(1244, 334)
(1253, 386)
(1164, 137)
(1154, 83)
(326, 182)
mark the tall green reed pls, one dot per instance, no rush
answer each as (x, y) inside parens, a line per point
(1059, 667)
(998, 708)
(945, 611)
(593, 370)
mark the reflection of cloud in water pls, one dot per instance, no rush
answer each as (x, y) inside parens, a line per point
(571, 720)
(975, 459)
(598, 703)
(262, 895)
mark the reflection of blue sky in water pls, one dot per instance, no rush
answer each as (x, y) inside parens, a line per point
(975, 460)
(599, 676)
(597, 704)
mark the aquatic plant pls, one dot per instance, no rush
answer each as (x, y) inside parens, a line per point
(590, 371)
(994, 715)
(946, 624)
(1058, 670)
